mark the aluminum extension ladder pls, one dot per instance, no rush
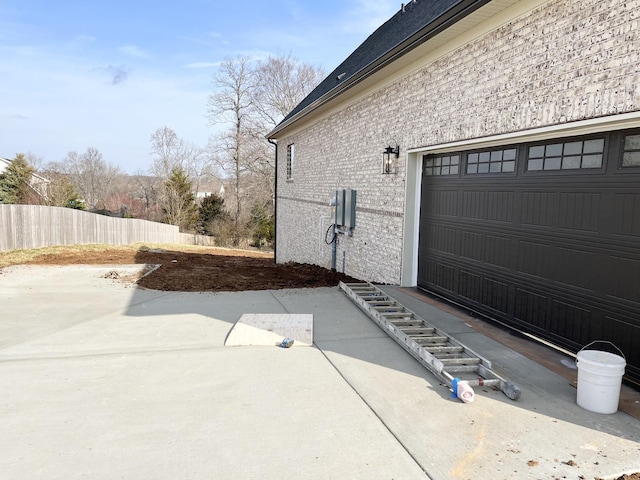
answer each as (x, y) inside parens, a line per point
(445, 357)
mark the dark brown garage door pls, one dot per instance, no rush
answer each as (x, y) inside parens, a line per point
(543, 236)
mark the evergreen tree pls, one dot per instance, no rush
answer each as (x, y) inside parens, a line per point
(71, 197)
(62, 193)
(179, 205)
(14, 181)
(211, 212)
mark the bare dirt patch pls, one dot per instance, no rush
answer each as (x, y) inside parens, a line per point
(195, 269)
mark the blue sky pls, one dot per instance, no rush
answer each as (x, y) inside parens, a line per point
(107, 74)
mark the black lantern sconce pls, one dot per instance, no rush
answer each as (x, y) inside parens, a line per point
(389, 157)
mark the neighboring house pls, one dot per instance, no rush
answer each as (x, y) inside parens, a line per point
(38, 184)
(209, 187)
(516, 191)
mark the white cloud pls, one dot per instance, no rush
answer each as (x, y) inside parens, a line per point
(256, 54)
(133, 51)
(84, 39)
(202, 65)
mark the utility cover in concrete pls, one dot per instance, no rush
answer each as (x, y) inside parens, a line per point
(271, 328)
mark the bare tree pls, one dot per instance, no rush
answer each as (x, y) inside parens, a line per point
(232, 103)
(146, 191)
(94, 178)
(252, 99)
(36, 161)
(280, 84)
(170, 152)
(165, 147)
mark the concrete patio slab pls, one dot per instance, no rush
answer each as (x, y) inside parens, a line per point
(102, 380)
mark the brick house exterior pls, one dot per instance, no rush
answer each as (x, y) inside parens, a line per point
(448, 77)
(516, 69)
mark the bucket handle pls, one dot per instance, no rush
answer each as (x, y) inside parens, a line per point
(604, 341)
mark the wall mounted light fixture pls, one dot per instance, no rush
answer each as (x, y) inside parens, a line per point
(389, 157)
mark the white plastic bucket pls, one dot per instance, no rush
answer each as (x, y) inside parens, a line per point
(599, 379)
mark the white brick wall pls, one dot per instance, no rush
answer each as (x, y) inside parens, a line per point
(565, 61)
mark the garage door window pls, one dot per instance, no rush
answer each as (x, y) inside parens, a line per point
(631, 157)
(494, 161)
(574, 155)
(443, 165)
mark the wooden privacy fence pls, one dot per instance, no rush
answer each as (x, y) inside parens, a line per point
(194, 239)
(34, 226)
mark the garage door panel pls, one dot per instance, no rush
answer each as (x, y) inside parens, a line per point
(539, 208)
(496, 295)
(472, 245)
(441, 202)
(443, 276)
(627, 341)
(531, 308)
(627, 214)
(498, 251)
(500, 206)
(623, 277)
(443, 239)
(575, 267)
(571, 321)
(535, 259)
(579, 211)
(470, 286)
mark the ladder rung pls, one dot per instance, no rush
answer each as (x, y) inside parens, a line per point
(441, 356)
(429, 339)
(425, 343)
(419, 331)
(406, 323)
(359, 288)
(392, 315)
(373, 296)
(461, 368)
(446, 356)
(460, 361)
(434, 350)
(379, 301)
(389, 309)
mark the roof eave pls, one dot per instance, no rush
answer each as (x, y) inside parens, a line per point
(437, 26)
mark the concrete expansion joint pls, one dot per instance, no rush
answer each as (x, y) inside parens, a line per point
(373, 411)
(111, 353)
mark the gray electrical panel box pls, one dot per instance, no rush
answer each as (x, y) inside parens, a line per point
(345, 208)
(349, 208)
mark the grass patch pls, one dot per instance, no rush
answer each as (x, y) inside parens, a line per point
(20, 257)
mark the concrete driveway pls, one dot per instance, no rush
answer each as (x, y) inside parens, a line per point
(101, 380)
